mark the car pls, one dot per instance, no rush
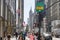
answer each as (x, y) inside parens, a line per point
(56, 32)
(47, 36)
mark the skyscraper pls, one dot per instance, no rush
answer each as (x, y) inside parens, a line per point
(7, 12)
(20, 13)
(30, 18)
(53, 12)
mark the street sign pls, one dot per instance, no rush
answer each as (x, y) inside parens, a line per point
(40, 6)
(39, 0)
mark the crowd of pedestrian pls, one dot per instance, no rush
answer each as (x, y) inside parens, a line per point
(28, 36)
(25, 36)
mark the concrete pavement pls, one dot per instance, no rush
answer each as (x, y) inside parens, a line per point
(55, 38)
(12, 38)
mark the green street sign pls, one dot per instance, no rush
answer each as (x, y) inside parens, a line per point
(39, 7)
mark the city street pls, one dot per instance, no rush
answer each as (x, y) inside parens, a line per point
(52, 38)
(12, 38)
(29, 19)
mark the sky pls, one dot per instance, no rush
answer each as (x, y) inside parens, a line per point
(28, 4)
(16, 13)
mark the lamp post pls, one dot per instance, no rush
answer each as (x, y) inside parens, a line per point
(40, 19)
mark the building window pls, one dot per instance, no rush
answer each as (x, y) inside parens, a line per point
(59, 11)
(59, 4)
(53, 1)
(6, 13)
(59, 8)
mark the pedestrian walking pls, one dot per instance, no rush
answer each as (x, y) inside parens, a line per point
(16, 35)
(35, 37)
(24, 35)
(20, 37)
(31, 36)
(8, 36)
(5, 38)
(42, 38)
(27, 37)
(39, 36)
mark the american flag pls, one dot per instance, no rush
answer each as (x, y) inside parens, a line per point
(24, 24)
(18, 11)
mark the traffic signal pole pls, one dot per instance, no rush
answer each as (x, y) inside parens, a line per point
(40, 19)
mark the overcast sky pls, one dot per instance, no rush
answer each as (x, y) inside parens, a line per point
(27, 5)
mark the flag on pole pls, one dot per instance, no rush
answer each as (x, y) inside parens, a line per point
(18, 11)
(24, 24)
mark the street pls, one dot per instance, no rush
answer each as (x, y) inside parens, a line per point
(12, 38)
(52, 38)
(55, 38)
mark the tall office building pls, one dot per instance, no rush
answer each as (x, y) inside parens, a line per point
(53, 12)
(30, 18)
(20, 13)
(7, 17)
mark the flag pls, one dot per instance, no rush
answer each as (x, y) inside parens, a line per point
(24, 24)
(18, 14)
(18, 11)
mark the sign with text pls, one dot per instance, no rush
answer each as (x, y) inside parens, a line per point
(39, 6)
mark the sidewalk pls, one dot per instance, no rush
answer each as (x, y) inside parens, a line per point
(12, 38)
(54, 38)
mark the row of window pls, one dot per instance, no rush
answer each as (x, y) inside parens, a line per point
(54, 10)
(53, 1)
(1, 7)
(4, 11)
